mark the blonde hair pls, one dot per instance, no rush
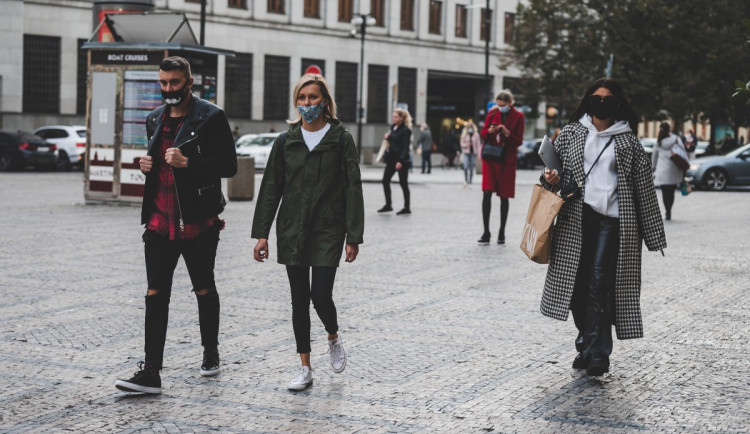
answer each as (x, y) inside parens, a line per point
(405, 115)
(505, 95)
(329, 105)
(465, 132)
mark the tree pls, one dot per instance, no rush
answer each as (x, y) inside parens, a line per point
(676, 58)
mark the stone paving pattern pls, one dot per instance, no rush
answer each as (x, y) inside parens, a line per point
(442, 335)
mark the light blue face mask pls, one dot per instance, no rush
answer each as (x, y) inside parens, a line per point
(505, 109)
(309, 114)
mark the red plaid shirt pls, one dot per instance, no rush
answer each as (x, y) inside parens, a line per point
(165, 219)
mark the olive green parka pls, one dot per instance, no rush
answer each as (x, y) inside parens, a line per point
(320, 192)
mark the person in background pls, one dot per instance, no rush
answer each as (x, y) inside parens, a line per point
(555, 133)
(728, 145)
(690, 143)
(470, 147)
(425, 143)
(397, 159)
(666, 174)
(236, 133)
(313, 172)
(595, 262)
(503, 126)
(190, 148)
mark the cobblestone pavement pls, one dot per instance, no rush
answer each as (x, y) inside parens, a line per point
(442, 335)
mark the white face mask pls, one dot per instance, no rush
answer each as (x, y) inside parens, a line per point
(505, 109)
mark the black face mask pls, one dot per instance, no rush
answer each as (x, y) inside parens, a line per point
(176, 96)
(602, 108)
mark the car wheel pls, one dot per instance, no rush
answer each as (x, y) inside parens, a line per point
(6, 163)
(715, 179)
(63, 161)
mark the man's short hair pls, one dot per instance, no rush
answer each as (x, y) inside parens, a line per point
(172, 63)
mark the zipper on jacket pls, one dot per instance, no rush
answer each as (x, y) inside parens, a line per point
(188, 141)
(177, 196)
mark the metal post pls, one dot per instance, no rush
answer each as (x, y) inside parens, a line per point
(487, 84)
(203, 22)
(360, 110)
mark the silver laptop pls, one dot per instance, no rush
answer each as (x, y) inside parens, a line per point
(549, 155)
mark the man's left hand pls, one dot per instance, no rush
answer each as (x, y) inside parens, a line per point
(175, 158)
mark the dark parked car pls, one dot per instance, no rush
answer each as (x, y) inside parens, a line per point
(716, 172)
(20, 149)
(528, 154)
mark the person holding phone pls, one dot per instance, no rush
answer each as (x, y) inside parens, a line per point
(503, 126)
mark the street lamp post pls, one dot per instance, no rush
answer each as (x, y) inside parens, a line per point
(487, 23)
(360, 22)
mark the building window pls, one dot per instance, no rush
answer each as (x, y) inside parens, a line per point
(276, 6)
(312, 8)
(346, 10)
(346, 91)
(41, 74)
(377, 11)
(510, 20)
(320, 63)
(407, 14)
(461, 20)
(436, 17)
(486, 24)
(407, 89)
(276, 88)
(192, 1)
(238, 93)
(82, 73)
(237, 4)
(377, 94)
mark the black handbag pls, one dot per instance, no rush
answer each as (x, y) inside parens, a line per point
(492, 152)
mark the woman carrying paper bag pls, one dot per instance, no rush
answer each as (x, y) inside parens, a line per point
(595, 263)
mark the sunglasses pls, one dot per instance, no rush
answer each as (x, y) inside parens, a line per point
(605, 99)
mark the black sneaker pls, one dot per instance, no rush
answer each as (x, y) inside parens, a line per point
(210, 366)
(385, 209)
(501, 239)
(146, 380)
(404, 211)
(485, 240)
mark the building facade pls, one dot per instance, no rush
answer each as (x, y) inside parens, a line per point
(426, 55)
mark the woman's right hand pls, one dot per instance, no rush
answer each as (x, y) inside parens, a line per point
(260, 252)
(551, 176)
(388, 134)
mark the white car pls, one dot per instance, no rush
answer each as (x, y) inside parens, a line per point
(258, 148)
(70, 141)
(243, 139)
(648, 144)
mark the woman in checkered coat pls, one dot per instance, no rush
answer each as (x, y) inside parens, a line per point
(595, 262)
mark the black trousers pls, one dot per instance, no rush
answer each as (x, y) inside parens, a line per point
(162, 256)
(592, 304)
(403, 179)
(427, 161)
(320, 291)
(667, 194)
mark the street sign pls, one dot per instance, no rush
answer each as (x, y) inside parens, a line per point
(314, 69)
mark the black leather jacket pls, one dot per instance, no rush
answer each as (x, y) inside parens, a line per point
(206, 140)
(399, 143)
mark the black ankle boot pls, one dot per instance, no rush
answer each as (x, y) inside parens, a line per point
(484, 239)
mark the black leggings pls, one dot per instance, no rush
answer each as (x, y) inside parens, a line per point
(667, 194)
(403, 179)
(592, 304)
(487, 205)
(320, 290)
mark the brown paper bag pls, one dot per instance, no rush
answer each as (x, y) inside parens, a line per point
(536, 240)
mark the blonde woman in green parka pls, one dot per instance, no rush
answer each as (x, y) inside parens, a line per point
(313, 171)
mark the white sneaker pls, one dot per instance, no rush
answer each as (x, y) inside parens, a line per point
(338, 355)
(303, 380)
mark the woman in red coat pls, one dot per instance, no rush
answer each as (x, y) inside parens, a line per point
(503, 127)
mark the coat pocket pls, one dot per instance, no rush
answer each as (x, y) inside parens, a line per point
(210, 200)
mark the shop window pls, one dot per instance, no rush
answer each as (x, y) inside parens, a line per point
(347, 90)
(377, 94)
(41, 74)
(407, 89)
(238, 91)
(276, 88)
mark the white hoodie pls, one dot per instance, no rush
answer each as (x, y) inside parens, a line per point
(601, 185)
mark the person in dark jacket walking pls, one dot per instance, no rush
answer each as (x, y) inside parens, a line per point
(190, 148)
(397, 158)
(313, 171)
(595, 262)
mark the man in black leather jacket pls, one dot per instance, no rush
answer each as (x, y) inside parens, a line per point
(190, 148)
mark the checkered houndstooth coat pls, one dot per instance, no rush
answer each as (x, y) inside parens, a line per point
(640, 219)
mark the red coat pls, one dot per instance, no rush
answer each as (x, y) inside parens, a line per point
(500, 177)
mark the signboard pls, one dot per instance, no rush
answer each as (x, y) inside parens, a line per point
(142, 94)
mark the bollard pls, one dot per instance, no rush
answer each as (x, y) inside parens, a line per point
(242, 185)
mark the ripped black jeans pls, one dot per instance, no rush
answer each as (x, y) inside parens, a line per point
(593, 302)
